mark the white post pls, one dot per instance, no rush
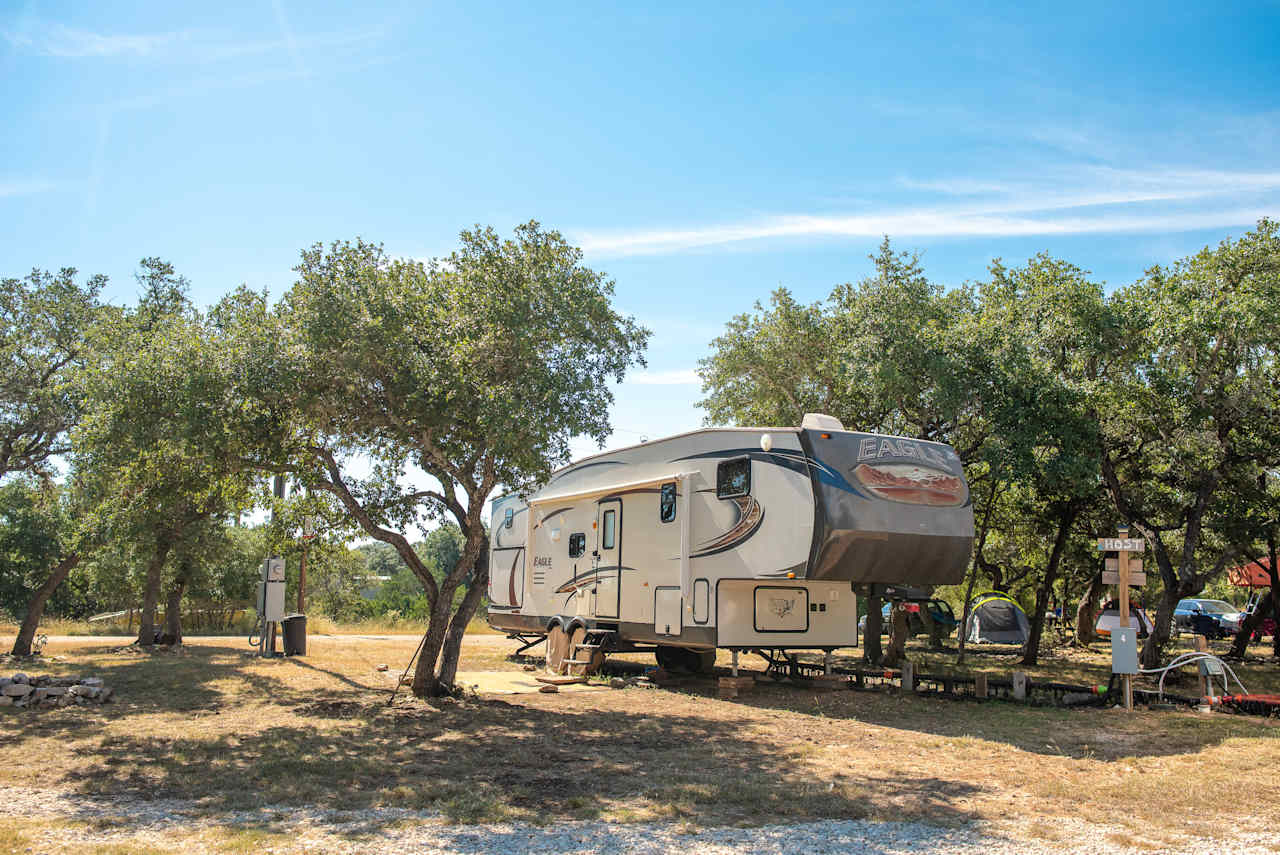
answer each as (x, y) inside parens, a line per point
(735, 661)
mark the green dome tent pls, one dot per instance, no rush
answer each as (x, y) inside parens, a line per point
(994, 618)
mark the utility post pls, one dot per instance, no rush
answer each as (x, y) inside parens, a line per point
(308, 535)
(1123, 573)
(271, 589)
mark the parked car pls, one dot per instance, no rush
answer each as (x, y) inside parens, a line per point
(1194, 615)
(940, 610)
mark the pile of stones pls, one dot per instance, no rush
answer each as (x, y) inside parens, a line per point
(44, 691)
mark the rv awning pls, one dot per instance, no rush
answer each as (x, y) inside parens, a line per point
(606, 489)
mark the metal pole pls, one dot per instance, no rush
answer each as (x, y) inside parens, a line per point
(302, 579)
(1122, 565)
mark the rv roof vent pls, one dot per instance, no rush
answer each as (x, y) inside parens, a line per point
(820, 421)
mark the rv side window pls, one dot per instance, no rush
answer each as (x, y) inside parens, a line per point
(667, 506)
(607, 528)
(733, 478)
(510, 516)
(577, 544)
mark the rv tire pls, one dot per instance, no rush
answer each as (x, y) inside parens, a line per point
(557, 648)
(683, 659)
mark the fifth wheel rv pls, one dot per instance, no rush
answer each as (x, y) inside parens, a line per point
(738, 538)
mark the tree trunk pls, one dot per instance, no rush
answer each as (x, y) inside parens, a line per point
(1065, 520)
(1159, 637)
(1087, 611)
(1247, 627)
(931, 626)
(173, 607)
(35, 608)
(966, 612)
(448, 669)
(898, 628)
(425, 683)
(871, 650)
(1274, 572)
(147, 620)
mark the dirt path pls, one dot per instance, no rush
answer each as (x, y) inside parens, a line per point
(170, 825)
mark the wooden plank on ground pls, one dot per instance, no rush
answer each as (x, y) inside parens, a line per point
(558, 680)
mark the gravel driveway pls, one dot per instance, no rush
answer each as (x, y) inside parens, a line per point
(141, 823)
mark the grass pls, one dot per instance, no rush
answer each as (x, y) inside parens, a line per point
(231, 732)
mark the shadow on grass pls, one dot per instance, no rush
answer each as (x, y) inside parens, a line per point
(1091, 733)
(162, 681)
(489, 760)
(343, 748)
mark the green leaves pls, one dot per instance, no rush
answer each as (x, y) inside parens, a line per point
(45, 326)
(477, 368)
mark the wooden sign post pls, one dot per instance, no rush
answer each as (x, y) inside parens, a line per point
(1122, 577)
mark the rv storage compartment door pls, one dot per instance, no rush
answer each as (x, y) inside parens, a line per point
(785, 613)
(666, 611)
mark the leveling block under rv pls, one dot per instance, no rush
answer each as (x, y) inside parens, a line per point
(739, 538)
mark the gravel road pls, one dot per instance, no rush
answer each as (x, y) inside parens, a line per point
(143, 823)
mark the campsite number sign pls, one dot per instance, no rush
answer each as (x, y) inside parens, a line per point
(1121, 544)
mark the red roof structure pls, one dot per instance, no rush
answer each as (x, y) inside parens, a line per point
(1255, 574)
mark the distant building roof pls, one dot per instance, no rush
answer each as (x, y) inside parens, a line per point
(1255, 574)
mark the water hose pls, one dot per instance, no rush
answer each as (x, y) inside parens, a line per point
(1187, 659)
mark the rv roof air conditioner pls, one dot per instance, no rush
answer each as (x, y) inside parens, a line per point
(821, 421)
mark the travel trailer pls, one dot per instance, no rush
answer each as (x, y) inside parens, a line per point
(738, 538)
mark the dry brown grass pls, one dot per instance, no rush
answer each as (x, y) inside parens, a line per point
(215, 725)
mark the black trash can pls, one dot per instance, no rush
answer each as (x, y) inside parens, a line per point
(295, 635)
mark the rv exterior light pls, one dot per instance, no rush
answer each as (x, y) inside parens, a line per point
(825, 436)
(766, 442)
(791, 575)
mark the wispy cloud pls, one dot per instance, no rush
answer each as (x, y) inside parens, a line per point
(677, 377)
(45, 38)
(1088, 200)
(24, 186)
(59, 40)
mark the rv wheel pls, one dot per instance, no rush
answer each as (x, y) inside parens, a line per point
(668, 658)
(557, 649)
(684, 659)
(704, 661)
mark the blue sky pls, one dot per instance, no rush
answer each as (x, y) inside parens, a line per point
(701, 156)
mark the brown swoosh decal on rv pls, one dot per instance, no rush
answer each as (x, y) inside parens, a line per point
(511, 576)
(750, 516)
(588, 578)
(554, 513)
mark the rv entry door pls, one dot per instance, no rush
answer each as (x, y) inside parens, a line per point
(609, 546)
